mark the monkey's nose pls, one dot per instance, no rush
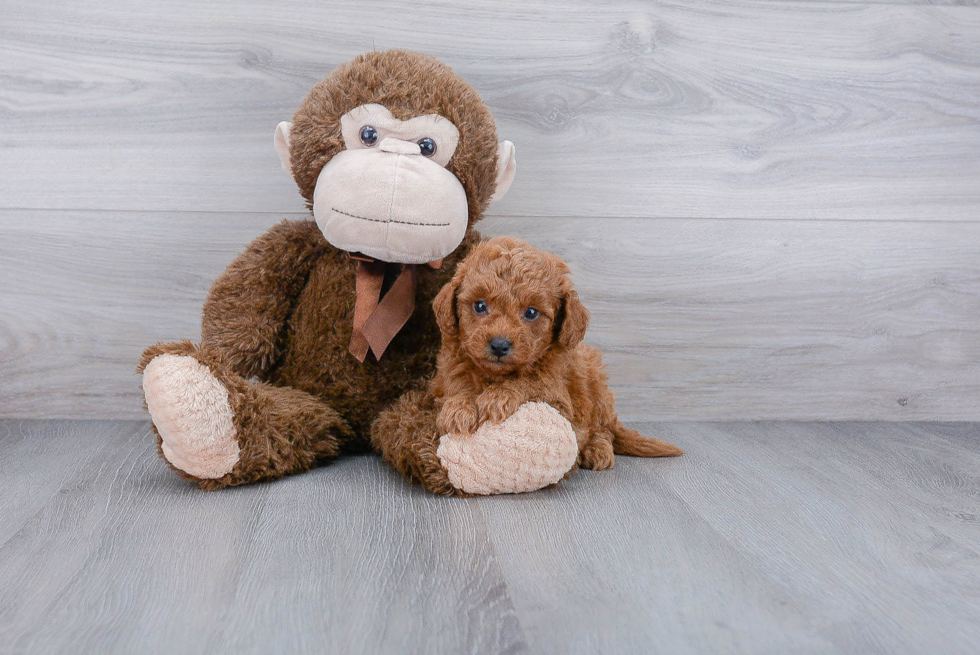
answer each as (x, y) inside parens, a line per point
(499, 346)
(399, 147)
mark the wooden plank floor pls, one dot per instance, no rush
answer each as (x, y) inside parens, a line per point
(765, 537)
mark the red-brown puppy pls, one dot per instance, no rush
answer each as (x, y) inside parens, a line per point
(512, 328)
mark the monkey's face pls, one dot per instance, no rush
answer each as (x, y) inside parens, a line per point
(388, 193)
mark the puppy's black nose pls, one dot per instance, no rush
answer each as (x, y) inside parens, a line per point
(499, 346)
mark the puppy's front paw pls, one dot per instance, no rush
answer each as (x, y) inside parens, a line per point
(497, 405)
(597, 455)
(458, 416)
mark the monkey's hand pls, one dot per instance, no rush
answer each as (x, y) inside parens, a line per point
(459, 415)
(556, 396)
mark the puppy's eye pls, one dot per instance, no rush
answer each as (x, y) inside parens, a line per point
(428, 146)
(531, 313)
(480, 307)
(369, 135)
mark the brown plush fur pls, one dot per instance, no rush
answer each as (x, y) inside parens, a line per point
(407, 438)
(282, 312)
(546, 363)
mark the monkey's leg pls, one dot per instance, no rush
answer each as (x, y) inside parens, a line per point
(406, 436)
(533, 448)
(218, 429)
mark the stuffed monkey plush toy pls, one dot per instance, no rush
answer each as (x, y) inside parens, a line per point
(321, 325)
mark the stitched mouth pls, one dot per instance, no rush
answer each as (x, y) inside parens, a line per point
(391, 220)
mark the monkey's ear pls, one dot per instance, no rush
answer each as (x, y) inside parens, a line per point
(572, 321)
(444, 306)
(282, 144)
(506, 169)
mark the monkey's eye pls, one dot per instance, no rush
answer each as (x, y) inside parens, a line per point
(428, 146)
(369, 135)
(531, 313)
(480, 307)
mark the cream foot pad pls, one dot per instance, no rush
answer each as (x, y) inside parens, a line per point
(532, 449)
(190, 410)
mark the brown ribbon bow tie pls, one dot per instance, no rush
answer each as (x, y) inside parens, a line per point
(377, 318)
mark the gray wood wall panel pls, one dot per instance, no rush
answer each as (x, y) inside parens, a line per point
(771, 207)
(763, 538)
(666, 109)
(697, 318)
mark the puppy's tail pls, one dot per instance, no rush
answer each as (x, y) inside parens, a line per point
(631, 442)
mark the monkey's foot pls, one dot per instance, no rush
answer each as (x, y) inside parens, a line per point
(191, 412)
(533, 448)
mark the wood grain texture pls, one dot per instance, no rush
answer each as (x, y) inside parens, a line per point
(697, 318)
(667, 109)
(666, 149)
(764, 537)
(127, 557)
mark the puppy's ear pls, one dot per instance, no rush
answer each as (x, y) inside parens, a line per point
(572, 320)
(444, 306)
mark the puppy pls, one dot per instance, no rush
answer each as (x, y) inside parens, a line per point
(512, 328)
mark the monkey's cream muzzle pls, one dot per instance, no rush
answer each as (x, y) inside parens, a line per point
(384, 198)
(390, 203)
(381, 196)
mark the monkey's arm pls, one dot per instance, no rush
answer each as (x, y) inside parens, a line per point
(247, 308)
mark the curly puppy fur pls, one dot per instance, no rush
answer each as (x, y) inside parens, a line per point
(278, 321)
(512, 327)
